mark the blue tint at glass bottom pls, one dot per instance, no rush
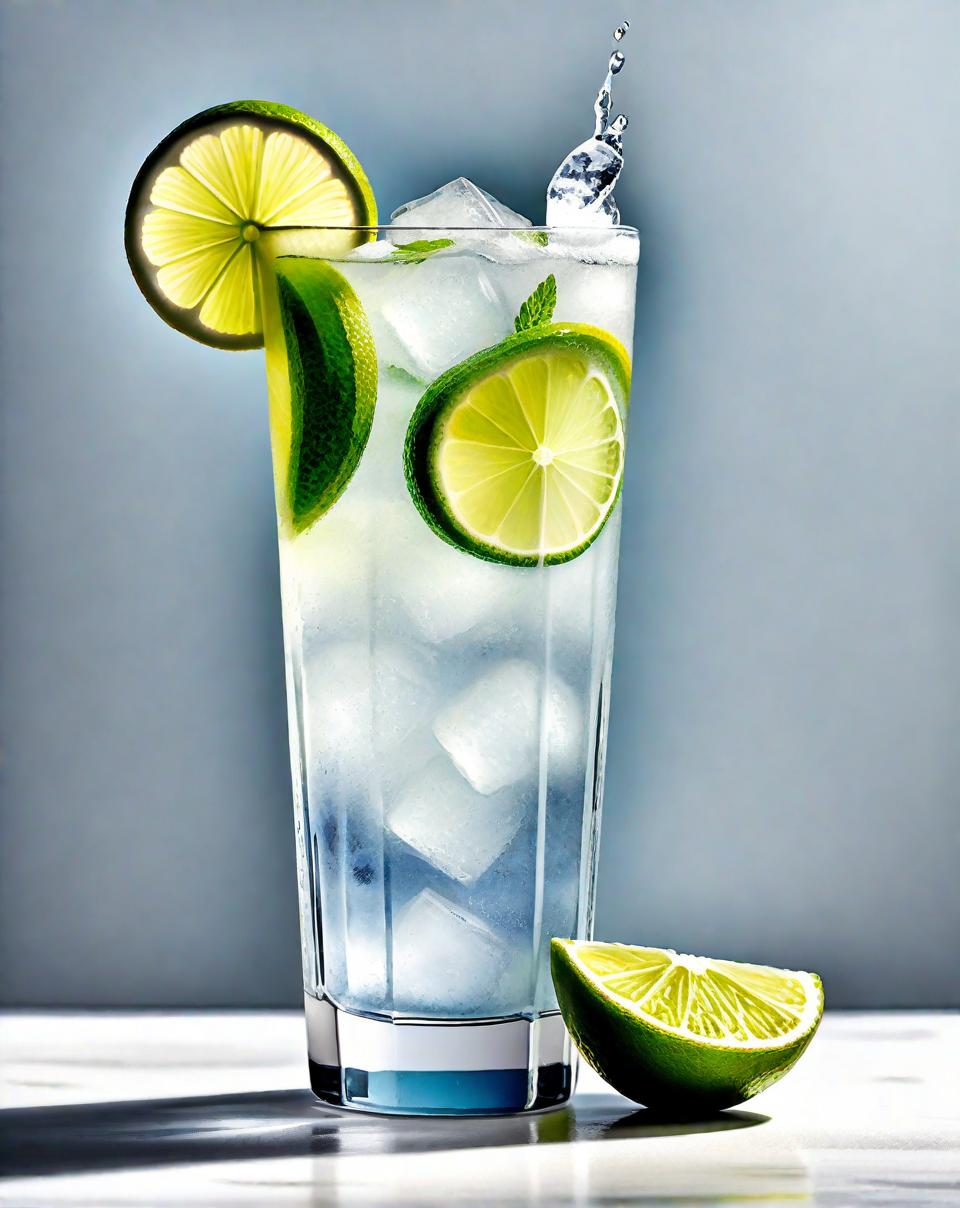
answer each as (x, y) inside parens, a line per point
(441, 1092)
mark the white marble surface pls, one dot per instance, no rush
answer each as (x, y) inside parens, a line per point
(158, 1109)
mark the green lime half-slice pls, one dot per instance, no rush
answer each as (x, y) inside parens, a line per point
(679, 1033)
(207, 196)
(516, 454)
(321, 419)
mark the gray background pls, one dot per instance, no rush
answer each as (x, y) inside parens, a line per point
(784, 756)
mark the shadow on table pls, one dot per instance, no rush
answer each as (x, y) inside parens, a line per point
(160, 1132)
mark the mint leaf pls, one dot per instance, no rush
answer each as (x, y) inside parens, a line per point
(418, 250)
(538, 308)
(540, 238)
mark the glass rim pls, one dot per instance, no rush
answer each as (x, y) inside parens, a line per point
(486, 230)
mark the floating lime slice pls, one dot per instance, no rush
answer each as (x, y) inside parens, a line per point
(208, 194)
(323, 419)
(684, 1034)
(516, 454)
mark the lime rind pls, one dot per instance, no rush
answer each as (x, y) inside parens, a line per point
(205, 194)
(332, 371)
(426, 442)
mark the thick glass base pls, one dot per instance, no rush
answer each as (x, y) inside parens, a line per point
(430, 1068)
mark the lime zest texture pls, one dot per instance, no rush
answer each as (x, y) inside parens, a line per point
(332, 367)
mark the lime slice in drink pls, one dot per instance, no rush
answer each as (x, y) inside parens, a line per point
(323, 419)
(207, 196)
(516, 454)
(683, 1034)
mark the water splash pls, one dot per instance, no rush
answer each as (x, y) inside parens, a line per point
(582, 187)
(601, 106)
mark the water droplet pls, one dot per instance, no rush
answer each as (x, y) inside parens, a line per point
(619, 124)
(616, 62)
(621, 31)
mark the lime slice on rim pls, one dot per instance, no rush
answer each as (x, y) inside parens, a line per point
(516, 454)
(204, 205)
(322, 420)
(683, 1033)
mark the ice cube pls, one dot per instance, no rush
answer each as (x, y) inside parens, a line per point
(349, 863)
(601, 294)
(326, 575)
(409, 759)
(442, 310)
(377, 249)
(366, 962)
(492, 730)
(443, 591)
(468, 211)
(445, 958)
(380, 475)
(455, 828)
(361, 703)
(460, 203)
(505, 895)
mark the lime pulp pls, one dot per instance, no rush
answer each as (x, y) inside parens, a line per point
(211, 190)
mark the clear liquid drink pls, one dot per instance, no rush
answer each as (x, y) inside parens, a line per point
(447, 710)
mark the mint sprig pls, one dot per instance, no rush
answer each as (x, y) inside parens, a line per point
(538, 308)
(417, 250)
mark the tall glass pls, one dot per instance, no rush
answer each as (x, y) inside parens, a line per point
(448, 714)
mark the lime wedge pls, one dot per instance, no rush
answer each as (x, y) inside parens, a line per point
(516, 454)
(322, 420)
(683, 1034)
(208, 194)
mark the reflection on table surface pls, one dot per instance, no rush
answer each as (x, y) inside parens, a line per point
(277, 1124)
(162, 1109)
